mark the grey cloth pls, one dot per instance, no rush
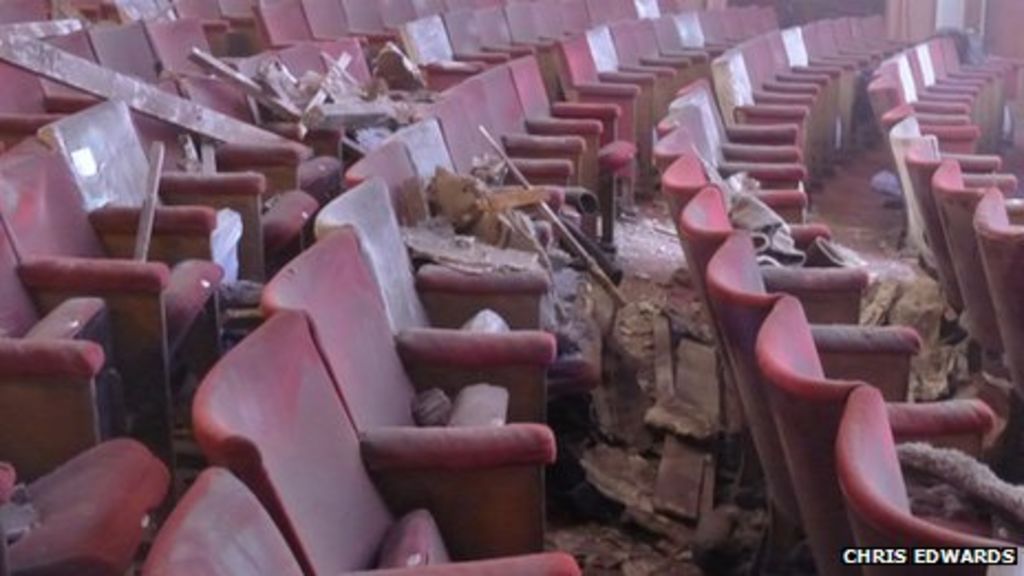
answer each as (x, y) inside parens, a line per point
(969, 476)
(773, 239)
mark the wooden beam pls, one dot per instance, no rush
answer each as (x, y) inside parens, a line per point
(46, 60)
(147, 215)
(214, 65)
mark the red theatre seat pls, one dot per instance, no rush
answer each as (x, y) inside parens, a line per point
(336, 491)
(997, 224)
(517, 361)
(92, 512)
(156, 307)
(958, 197)
(808, 406)
(872, 483)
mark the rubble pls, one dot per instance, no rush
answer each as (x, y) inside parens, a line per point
(681, 417)
(918, 303)
(436, 242)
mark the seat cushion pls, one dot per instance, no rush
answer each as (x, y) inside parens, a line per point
(92, 510)
(616, 156)
(321, 177)
(284, 222)
(414, 540)
(191, 285)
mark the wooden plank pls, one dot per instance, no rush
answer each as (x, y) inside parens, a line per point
(276, 103)
(697, 377)
(44, 29)
(46, 60)
(147, 216)
(664, 373)
(678, 488)
(707, 488)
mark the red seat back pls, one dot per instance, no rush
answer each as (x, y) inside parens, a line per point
(492, 26)
(922, 161)
(363, 15)
(462, 30)
(237, 9)
(393, 13)
(459, 117)
(610, 11)
(522, 24)
(875, 493)
(125, 49)
(575, 17)
(424, 8)
(104, 153)
(43, 205)
(501, 100)
(807, 408)
(22, 93)
(407, 162)
(309, 57)
(220, 528)
(529, 83)
(217, 95)
(740, 302)
(16, 11)
(199, 9)
(957, 204)
(17, 311)
(333, 284)
(173, 41)
(1002, 250)
(712, 26)
(283, 23)
(76, 43)
(703, 226)
(269, 412)
(368, 208)
(326, 18)
(577, 63)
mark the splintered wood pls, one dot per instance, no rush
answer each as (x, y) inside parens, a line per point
(275, 102)
(48, 61)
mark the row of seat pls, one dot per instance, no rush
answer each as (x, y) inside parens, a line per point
(963, 105)
(807, 392)
(350, 341)
(805, 75)
(293, 289)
